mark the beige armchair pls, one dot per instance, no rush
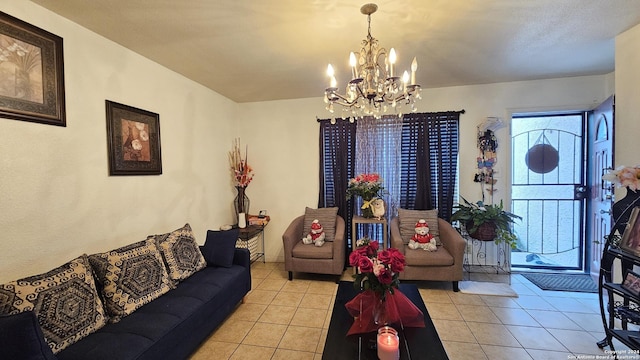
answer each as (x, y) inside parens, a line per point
(326, 259)
(445, 264)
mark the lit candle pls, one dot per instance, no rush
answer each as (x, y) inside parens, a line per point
(388, 344)
(330, 74)
(392, 61)
(333, 82)
(405, 80)
(414, 67)
(352, 63)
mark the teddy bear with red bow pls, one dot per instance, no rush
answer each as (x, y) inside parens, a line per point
(422, 239)
(316, 235)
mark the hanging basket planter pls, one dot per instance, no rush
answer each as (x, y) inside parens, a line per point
(542, 158)
(484, 232)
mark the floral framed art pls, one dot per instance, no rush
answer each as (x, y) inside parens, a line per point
(133, 138)
(31, 73)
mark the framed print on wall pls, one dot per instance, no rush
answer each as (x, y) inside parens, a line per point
(631, 237)
(133, 139)
(31, 73)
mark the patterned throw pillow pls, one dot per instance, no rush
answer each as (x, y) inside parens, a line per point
(65, 301)
(409, 218)
(180, 253)
(326, 217)
(131, 276)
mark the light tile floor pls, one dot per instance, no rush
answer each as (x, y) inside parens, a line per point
(283, 319)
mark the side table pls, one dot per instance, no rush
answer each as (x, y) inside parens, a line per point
(361, 220)
(249, 237)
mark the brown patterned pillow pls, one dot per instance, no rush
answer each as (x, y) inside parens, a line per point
(131, 276)
(65, 301)
(180, 253)
(326, 217)
(409, 218)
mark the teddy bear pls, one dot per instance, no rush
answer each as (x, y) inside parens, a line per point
(316, 235)
(422, 239)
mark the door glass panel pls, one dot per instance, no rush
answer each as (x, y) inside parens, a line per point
(547, 168)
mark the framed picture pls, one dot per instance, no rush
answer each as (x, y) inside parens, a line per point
(631, 237)
(632, 283)
(133, 138)
(31, 73)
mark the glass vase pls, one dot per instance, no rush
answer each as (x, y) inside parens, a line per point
(380, 311)
(241, 202)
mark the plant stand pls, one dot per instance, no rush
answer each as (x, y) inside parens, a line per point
(486, 258)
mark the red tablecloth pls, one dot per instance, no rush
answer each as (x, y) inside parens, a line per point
(399, 310)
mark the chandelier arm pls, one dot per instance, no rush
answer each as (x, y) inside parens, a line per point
(345, 101)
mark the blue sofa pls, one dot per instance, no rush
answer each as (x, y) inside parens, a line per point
(169, 327)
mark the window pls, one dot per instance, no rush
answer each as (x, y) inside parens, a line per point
(417, 157)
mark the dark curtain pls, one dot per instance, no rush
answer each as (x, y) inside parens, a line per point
(337, 165)
(429, 161)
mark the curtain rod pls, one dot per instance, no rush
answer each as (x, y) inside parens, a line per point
(430, 113)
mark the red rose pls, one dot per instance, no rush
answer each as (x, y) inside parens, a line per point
(372, 249)
(364, 264)
(374, 245)
(384, 256)
(385, 277)
(396, 254)
(396, 265)
(354, 257)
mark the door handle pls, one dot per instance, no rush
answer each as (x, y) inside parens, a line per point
(606, 212)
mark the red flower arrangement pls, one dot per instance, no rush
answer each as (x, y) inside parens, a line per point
(367, 186)
(381, 302)
(377, 270)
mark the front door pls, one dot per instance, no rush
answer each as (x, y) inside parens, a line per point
(600, 199)
(548, 191)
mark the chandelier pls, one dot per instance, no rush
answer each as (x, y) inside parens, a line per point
(374, 88)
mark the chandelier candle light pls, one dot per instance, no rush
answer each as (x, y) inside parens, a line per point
(374, 88)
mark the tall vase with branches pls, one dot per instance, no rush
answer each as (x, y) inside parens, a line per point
(241, 176)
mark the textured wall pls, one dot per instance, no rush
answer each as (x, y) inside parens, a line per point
(57, 199)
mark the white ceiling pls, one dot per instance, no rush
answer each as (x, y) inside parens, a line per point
(252, 50)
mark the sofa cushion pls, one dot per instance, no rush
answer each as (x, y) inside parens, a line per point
(180, 253)
(326, 217)
(65, 301)
(131, 276)
(304, 251)
(419, 257)
(409, 218)
(220, 246)
(22, 338)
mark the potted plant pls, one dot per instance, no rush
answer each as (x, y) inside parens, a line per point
(486, 222)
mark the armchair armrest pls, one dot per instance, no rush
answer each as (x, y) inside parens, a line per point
(338, 241)
(290, 238)
(396, 239)
(452, 240)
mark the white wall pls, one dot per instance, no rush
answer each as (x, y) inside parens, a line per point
(287, 164)
(627, 111)
(57, 199)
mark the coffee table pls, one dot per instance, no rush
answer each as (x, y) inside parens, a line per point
(415, 343)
